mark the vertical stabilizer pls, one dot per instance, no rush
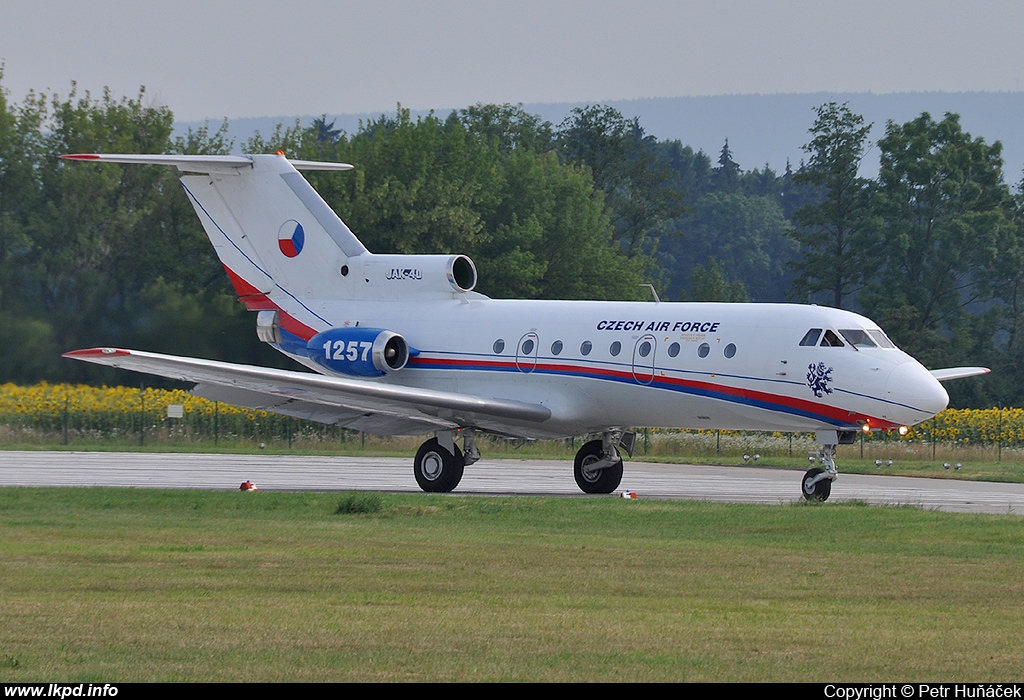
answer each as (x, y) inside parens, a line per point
(281, 244)
(273, 232)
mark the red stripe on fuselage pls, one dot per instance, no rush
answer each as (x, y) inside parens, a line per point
(839, 415)
(255, 300)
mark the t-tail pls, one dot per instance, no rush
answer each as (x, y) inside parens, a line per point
(291, 258)
(285, 249)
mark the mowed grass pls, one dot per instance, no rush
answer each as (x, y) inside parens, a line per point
(115, 585)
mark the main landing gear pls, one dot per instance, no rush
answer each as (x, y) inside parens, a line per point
(598, 465)
(439, 462)
(817, 481)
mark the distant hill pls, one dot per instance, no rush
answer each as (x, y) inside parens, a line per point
(762, 129)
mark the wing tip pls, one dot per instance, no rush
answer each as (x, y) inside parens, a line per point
(950, 373)
(88, 353)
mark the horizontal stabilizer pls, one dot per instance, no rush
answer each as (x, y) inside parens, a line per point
(944, 375)
(198, 164)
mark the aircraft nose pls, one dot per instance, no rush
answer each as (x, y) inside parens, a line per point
(911, 384)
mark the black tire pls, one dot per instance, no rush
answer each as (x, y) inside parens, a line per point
(436, 469)
(598, 480)
(819, 491)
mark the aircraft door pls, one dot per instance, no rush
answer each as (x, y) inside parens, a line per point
(526, 353)
(643, 359)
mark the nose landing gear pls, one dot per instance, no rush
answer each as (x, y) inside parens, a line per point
(817, 481)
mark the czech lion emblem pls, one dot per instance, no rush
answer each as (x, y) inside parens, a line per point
(818, 378)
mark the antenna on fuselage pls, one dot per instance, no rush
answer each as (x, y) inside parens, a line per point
(654, 292)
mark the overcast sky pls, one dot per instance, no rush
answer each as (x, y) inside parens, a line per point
(212, 59)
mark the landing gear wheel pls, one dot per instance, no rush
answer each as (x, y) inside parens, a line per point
(595, 480)
(437, 470)
(819, 491)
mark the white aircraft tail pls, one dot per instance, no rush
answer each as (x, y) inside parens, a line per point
(282, 245)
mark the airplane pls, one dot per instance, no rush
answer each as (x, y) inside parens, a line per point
(403, 345)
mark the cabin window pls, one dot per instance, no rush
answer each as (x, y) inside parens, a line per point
(673, 349)
(615, 348)
(528, 346)
(810, 338)
(499, 345)
(831, 340)
(645, 348)
(730, 350)
(703, 350)
(586, 347)
(556, 347)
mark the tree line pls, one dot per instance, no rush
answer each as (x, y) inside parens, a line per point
(594, 207)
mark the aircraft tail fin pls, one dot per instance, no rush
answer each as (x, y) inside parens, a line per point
(285, 249)
(274, 234)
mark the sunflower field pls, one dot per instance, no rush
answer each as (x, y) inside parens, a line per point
(78, 413)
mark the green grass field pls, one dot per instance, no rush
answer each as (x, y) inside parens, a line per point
(113, 585)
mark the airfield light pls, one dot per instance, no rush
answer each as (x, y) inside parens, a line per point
(903, 430)
(866, 428)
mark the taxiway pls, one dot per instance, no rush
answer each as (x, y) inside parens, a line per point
(526, 477)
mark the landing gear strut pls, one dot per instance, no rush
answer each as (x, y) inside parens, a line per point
(598, 465)
(817, 482)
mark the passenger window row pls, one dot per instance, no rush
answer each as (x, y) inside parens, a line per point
(615, 349)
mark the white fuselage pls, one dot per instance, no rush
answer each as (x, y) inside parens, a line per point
(600, 365)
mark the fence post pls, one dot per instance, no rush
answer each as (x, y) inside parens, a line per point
(999, 435)
(142, 415)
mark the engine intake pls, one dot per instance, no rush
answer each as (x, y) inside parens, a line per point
(394, 277)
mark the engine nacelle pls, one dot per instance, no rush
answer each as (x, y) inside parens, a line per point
(359, 352)
(393, 277)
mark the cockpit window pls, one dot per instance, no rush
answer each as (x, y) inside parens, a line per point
(811, 337)
(831, 340)
(881, 339)
(857, 338)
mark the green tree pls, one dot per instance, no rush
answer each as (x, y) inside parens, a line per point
(629, 167)
(745, 235)
(82, 244)
(536, 227)
(709, 283)
(506, 127)
(942, 210)
(834, 233)
(727, 174)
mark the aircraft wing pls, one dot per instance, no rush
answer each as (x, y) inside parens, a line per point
(369, 406)
(944, 375)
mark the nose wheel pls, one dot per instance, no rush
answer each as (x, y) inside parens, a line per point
(816, 485)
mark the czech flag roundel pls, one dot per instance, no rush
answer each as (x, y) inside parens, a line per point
(290, 238)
